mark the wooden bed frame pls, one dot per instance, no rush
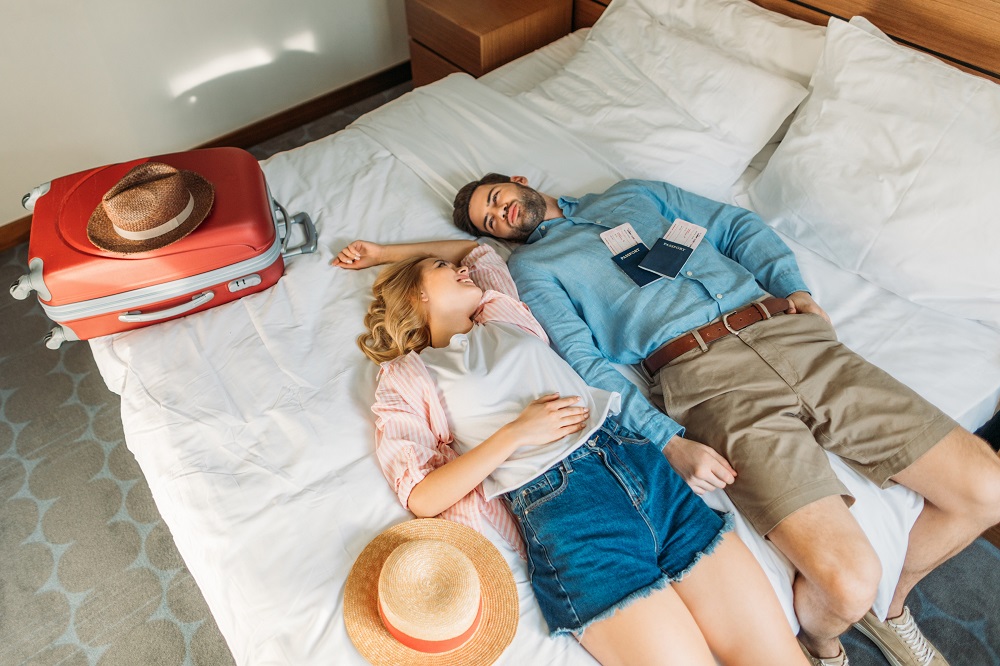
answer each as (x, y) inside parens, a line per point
(965, 33)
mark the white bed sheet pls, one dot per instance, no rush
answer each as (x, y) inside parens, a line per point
(251, 421)
(529, 70)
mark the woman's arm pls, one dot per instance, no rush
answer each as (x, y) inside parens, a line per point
(362, 254)
(545, 420)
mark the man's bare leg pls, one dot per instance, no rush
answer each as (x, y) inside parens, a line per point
(960, 481)
(837, 571)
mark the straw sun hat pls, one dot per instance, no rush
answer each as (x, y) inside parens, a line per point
(430, 592)
(153, 205)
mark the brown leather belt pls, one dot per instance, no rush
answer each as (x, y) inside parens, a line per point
(730, 323)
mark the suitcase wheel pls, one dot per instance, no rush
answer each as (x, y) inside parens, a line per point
(54, 338)
(29, 199)
(21, 288)
(31, 281)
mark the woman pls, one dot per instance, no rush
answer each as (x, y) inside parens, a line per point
(621, 552)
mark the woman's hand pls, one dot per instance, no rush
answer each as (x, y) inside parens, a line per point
(548, 419)
(545, 420)
(360, 254)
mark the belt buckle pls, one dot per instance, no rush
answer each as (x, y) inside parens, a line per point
(725, 322)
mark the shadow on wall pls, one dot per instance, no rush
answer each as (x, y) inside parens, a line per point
(245, 81)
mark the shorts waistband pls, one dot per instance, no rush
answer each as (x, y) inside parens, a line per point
(730, 323)
(609, 431)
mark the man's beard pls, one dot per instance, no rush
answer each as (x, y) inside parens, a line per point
(532, 205)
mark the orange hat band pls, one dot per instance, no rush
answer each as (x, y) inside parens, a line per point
(421, 645)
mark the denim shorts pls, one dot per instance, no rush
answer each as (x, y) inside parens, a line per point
(610, 524)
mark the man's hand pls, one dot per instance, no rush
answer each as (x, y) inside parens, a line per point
(360, 254)
(700, 466)
(802, 301)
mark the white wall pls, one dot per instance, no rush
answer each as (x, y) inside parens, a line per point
(93, 82)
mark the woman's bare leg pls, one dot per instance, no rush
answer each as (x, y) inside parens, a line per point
(735, 606)
(653, 630)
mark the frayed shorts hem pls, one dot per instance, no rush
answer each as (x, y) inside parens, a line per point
(655, 586)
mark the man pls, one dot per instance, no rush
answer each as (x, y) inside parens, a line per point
(764, 387)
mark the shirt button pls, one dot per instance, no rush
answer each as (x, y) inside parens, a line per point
(689, 273)
(718, 295)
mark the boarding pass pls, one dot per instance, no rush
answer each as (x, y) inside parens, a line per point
(621, 238)
(685, 233)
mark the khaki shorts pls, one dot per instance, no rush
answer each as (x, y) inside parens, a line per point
(772, 399)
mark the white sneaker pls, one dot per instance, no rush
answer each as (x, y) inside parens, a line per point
(839, 660)
(900, 640)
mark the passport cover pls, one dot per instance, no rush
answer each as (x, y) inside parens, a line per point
(666, 258)
(628, 260)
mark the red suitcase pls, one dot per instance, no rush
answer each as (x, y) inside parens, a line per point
(238, 249)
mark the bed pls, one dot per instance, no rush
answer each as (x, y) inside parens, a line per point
(251, 421)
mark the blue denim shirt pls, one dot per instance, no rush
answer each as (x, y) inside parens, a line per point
(595, 314)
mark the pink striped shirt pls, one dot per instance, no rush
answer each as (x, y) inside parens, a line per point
(412, 434)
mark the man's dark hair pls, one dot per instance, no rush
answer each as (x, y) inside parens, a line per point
(460, 216)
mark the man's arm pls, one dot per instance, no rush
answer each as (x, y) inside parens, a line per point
(742, 236)
(700, 466)
(737, 233)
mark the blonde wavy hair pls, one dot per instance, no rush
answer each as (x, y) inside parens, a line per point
(395, 320)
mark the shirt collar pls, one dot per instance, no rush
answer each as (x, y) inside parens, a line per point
(567, 205)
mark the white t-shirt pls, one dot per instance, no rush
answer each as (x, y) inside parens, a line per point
(489, 375)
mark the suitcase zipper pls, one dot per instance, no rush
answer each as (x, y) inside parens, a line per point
(161, 292)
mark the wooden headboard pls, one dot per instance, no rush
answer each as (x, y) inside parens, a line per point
(965, 33)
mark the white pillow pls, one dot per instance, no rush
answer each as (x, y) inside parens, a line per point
(660, 104)
(870, 28)
(772, 41)
(890, 170)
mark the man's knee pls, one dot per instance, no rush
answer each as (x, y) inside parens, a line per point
(849, 586)
(979, 489)
(961, 477)
(984, 498)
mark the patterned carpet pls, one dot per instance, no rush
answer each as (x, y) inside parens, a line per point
(88, 571)
(89, 574)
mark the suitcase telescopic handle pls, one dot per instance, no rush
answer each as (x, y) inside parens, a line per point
(136, 316)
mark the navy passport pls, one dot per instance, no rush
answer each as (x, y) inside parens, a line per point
(628, 261)
(666, 258)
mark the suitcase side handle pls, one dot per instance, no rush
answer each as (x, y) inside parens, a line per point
(300, 219)
(141, 317)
